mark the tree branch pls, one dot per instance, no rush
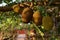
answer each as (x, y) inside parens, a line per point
(5, 8)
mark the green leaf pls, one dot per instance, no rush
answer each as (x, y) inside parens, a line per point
(19, 0)
(7, 1)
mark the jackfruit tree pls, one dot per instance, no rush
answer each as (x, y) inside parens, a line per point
(35, 16)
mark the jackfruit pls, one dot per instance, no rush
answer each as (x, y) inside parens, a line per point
(27, 15)
(37, 18)
(16, 8)
(47, 22)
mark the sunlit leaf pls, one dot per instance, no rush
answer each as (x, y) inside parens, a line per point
(19, 0)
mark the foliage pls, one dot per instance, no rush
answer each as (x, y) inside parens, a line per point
(18, 1)
(8, 20)
(7, 1)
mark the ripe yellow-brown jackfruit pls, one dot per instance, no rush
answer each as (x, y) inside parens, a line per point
(16, 8)
(27, 15)
(37, 18)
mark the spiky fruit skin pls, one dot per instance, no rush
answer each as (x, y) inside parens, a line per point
(16, 8)
(47, 22)
(27, 15)
(37, 18)
(21, 10)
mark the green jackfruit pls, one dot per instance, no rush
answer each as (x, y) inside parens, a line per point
(47, 22)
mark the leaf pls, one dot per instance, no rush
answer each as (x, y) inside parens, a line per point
(7, 1)
(19, 0)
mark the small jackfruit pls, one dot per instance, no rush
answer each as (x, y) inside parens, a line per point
(16, 8)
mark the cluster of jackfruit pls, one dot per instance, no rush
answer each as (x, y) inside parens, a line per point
(46, 21)
(28, 15)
